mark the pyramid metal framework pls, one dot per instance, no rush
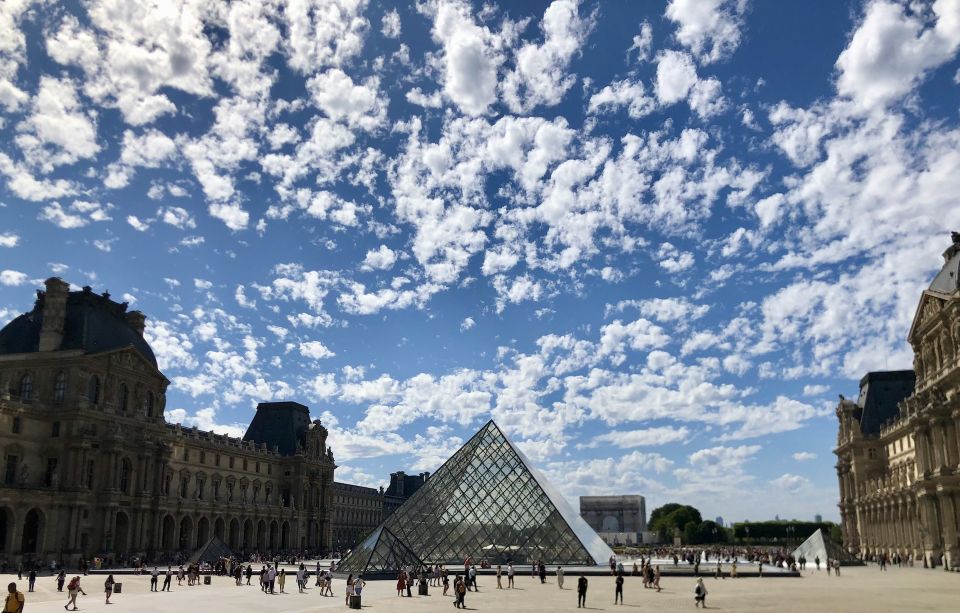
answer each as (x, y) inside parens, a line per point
(818, 545)
(486, 502)
(211, 552)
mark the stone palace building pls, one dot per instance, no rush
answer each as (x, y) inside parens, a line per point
(898, 446)
(90, 466)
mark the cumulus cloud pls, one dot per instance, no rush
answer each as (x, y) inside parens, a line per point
(9, 239)
(381, 258)
(709, 28)
(12, 277)
(315, 350)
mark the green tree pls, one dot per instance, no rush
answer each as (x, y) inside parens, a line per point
(669, 518)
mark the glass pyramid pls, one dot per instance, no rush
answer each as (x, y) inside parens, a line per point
(486, 502)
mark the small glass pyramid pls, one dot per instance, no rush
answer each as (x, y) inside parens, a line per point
(486, 502)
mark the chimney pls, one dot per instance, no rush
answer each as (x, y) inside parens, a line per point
(137, 321)
(54, 314)
(953, 248)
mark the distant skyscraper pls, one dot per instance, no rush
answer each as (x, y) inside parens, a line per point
(818, 518)
(719, 521)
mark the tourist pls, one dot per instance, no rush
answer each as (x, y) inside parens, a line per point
(73, 588)
(499, 573)
(358, 585)
(656, 578)
(249, 573)
(472, 577)
(167, 577)
(31, 579)
(542, 571)
(271, 577)
(836, 567)
(560, 577)
(461, 592)
(446, 582)
(15, 600)
(349, 589)
(154, 578)
(180, 576)
(108, 587)
(760, 569)
(61, 579)
(510, 573)
(401, 583)
(282, 579)
(733, 570)
(613, 565)
(328, 576)
(618, 591)
(319, 575)
(700, 593)
(816, 561)
(582, 591)
(719, 571)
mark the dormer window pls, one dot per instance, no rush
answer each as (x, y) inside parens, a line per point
(124, 397)
(60, 387)
(93, 390)
(26, 388)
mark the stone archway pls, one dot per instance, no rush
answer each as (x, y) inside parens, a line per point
(186, 532)
(121, 533)
(248, 534)
(234, 540)
(6, 529)
(274, 535)
(203, 532)
(219, 529)
(32, 532)
(167, 529)
(261, 535)
(285, 535)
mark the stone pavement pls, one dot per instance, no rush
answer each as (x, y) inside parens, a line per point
(858, 589)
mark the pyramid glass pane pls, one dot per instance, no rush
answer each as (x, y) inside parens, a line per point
(486, 502)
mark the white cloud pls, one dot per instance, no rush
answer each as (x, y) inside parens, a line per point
(676, 75)
(57, 131)
(381, 258)
(12, 277)
(625, 93)
(815, 390)
(78, 214)
(202, 284)
(891, 51)
(471, 57)
(804, 456)
(626, 439)
(792, 484)
(315, 350)
(467, 324)
(232, 215)
(358, 104)
(9, 239)
(391, 24)
(540, 76)
(709, 28)
(642, 43)
(137, 223)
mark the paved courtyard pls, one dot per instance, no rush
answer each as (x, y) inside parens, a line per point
(859, 589)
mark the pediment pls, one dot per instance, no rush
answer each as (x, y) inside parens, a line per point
(131, 359)
(931, 303)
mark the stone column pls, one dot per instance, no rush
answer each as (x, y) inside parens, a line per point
(948, 527)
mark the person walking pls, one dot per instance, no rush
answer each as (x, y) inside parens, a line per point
(401, 583)
(560, 577)
(816, 561)
(499, 577)
(460, 588)
(510, 573)
(108, 588)
(73, 588)
(446, 581)
(154, 578)
(542, 571)
(167, 577)
(700, 593)
(14, 601)
(472, 578)
(249, 574)
(282, 579)
(656, 578)
(581, 591)
(31, 579)
(349, 589)
(61, 579)
(618, 591)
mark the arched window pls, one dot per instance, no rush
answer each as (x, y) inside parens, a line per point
(93, 390)
(148, 404)
(60, 386)
(126, 469)
(26, 388)
(124, 396)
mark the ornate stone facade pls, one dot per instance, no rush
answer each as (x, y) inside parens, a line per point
(357, 511)
(898, 463)
(90, 466)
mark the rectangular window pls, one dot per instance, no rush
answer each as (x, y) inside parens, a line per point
(258, 466)
(244, 464)
(203, 457)
(55, 431)
(10, 476)
(16, 425)
(217, 459)
(186, 454)
(184, 483)
(50, 475)
(90, 474)
(269, 469)
(231, 462)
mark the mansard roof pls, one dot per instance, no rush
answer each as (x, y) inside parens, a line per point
(880, 393)
(282, 425)
(93, 323)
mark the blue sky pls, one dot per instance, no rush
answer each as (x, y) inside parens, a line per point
(653, 241)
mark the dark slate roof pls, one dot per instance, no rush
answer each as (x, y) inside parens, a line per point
(880, 392)
(93, 323)
(279, 424)
(948, 280)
